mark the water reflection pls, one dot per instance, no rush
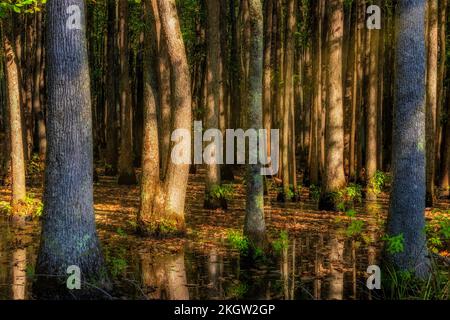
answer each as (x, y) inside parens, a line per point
(312, 267)
(165, 277)
(318, 266)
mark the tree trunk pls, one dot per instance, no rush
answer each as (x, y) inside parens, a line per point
(212, 103)
(111, 89)
(334, 178)
(431, 98)
(37, 105)
(407, 205)
(15, 119)
(255, 227)
(127, 175)
(68, 234)
(372, 122)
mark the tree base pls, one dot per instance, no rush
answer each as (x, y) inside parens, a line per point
(327, 202)
(282, 198)
(55, 288)
(163, 228)
(214, 203)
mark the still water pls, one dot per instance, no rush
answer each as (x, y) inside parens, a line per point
(313, 266)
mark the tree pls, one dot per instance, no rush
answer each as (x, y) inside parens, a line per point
(255, 226)
(213, 178)
(127, 176)
(68, 234)
(407, 204)
(13, 85)
(372, 123)
(163, 200)
(431, 98)
(334, 177)
(111, 103)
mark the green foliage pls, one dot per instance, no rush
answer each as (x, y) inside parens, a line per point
(5, 208)
(355, 228)
(20, 6)
(281, 243)
(314, 192)
(238, 241)
(121, 232)
(378, 182)
(347, 197)
(116, 261)
(402, 285)
(236, 290)
(225, 191)
(394, 244)
(438, 232)
(163, 228)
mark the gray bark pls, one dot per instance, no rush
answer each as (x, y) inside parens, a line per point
(255, 227)
(407, 206)
(68, 228)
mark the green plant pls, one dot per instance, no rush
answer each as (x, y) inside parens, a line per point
(281, 243)
(394, 244)
(403, 285)
(5, 208)
(378, 182)
(121, 232)
(438, 232)
(238, 241)
(314, 192)
(225, 191)
(355, 228)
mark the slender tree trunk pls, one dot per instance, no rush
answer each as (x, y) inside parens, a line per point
(37, 106)
(372, 122)
(15, 118)
(407, 205)
(212, 103)
(431, 98)
(127, 175)
(255, 227)
(334, 178)
(111, 97)
(68, 235)
(267, 76)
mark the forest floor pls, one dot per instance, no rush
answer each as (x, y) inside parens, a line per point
(321, 255)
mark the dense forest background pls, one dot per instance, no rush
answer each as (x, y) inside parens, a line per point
(358, 89)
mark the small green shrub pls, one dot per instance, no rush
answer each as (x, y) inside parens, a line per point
(394, 244)
(314, 192)
(281, 243)
(225, 191)
(238, 241)
(378, 182)
(5, 208)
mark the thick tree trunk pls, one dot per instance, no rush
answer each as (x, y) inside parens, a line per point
(150, 180)
(15, 119)
(177, 174)
(68, 234)
(255, 227)
(127, 176)
(407, 205)
(334, 177)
